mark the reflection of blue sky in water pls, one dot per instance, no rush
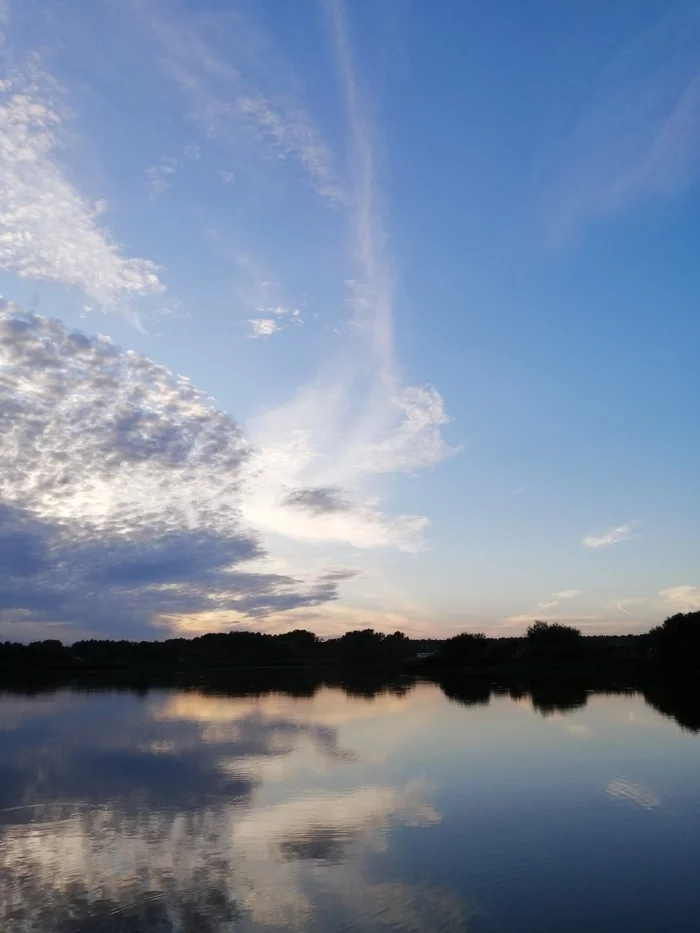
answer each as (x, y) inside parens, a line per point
(193, 812)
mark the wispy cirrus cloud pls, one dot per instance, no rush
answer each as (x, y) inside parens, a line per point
(606, 538)
(48, 231)
(558, 598)
(622, 606)
(231, 92)
(639, 136)
(120, 492)
(355, 420)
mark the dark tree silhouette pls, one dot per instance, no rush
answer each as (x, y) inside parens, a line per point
(676, 642)
(552, 633)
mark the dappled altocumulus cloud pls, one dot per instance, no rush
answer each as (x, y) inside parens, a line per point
(120, 490)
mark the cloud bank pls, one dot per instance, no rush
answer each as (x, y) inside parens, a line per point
(120, 491)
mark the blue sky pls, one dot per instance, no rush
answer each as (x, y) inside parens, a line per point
(397, 309)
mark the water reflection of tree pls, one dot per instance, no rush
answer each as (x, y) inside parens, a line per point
(467, 692)
(546, 696)
(558, 696)
(677, 699)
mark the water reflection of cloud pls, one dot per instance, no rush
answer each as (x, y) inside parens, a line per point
(331, 706)
(168, 822)
(362, 728)
(637, 794)
(218, 862)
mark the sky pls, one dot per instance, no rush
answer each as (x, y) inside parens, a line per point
(333, 316)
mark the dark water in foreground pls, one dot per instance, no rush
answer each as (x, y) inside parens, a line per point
(203, 813)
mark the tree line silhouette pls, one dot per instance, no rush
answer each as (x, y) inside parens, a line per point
(673, 645)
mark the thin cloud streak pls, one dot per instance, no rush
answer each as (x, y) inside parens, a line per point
(355, 420)
(606, 538)
(639, 138)
(226, 100)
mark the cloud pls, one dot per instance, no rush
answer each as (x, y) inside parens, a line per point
(682, 598)
(638, 138)
(527, 618)
(48, 231)
(120, 491)
(557, 598)
(606, 538)
(319, 500)
(329, 619)
(567, 594)
(266, 327)
(226, 177)
(355, 421)
(158, 176)
(199, 59)
(619, 606)
(263, 327)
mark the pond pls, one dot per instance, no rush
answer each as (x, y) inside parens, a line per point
(407, 807)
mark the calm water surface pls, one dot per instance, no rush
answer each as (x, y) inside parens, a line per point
(199, 812)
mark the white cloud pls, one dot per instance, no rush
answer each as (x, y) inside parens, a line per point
(567, 594)
(263, 327)
(47, 230)
(557, 599)
(682, 598)
(606, 538)
(226, 177)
